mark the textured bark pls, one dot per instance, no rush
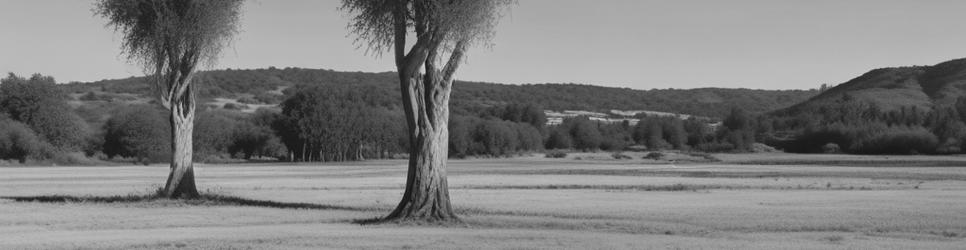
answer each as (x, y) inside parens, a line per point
(181, 180)
(426, 104)
(427, 192)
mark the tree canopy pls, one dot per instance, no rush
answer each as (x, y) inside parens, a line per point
(169, 38)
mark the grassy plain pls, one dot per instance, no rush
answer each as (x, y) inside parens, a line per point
(764, 201)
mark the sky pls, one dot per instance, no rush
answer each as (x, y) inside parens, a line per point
(640, 44)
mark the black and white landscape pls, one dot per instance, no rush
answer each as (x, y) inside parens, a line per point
(483, 124)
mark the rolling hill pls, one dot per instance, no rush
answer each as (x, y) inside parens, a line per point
(249, 89)
(888, 89)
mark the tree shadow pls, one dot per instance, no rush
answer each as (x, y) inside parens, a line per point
(383, 220)
(205, 200)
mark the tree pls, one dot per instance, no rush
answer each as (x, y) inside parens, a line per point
(38, 103)
(170, 38)
(585, 133)
(426, 76)
(139, 132)
(17, 141)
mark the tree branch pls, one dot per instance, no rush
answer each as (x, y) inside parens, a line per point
(455, 59)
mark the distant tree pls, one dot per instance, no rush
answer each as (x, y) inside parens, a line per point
(214, 133)
(38, 103)
(460, 139)
(18, 142)
(248, 139)
(738, 119)
(584, 132)
(674, 133)
(60, 127)
(170, 39)
(426, 78)
(559, 139)
(140, 132)
(22, 97)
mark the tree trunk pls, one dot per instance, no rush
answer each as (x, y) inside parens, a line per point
(181, 181)
(427, 191)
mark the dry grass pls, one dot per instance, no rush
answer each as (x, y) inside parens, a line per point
(522, 203)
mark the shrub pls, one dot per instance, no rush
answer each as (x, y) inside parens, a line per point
(233, 106)
(654, 156)
(556, 154)
(620, 156)
(60, 127)
(902, 140)
(18, 142)
(141, 132)
(90, 96)
(831, 148)
(559, 139)
(38, 103)
(268, 98)
(715, 147)
(248, 100)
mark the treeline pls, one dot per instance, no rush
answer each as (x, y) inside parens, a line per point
(320, 123)
(469, 98)
(142, 133)
(36, 122)
(857, 127)
(338, 124)
(736, 134)
(497, 131)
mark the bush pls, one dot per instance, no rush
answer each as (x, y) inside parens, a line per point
(916, 140)
(233, 106)
(18, 142)
(654, 156)
(715, 147)
(620, 156)
(248, 100)
(38, 103)
(60, 127)
(90, 96)
(559, 139)
(556, 154)
(831, 148)
(141, 132)
(213, 134)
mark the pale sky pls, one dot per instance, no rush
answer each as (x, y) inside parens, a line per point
(641, 44)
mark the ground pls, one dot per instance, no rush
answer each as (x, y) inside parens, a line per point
(773, 201)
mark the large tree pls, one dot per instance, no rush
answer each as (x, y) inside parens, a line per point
(170, 39)
(444, 30)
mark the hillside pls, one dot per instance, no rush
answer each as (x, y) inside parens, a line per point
(889, 89)
(250, 89)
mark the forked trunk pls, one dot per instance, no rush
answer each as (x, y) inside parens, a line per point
(181, 180)
(427, 192)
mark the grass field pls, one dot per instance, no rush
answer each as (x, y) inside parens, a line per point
(746, 202)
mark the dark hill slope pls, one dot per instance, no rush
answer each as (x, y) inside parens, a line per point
(945, 82)
(892, 88)
(268, 85)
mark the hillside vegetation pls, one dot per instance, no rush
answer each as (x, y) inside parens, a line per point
(902, 110)
(268, 86)
(889, 89)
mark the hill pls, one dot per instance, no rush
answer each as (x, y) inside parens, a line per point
(889, 89)
(250, 89)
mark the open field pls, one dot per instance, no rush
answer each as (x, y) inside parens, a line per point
(519, 203)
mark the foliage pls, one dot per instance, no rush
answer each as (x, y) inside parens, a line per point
(18, 142)
(38, 103)
(620, 156)
(556, 154)
(156, 31)
(654, 156)
(336, 124)
(140, 132)
(472, 98)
